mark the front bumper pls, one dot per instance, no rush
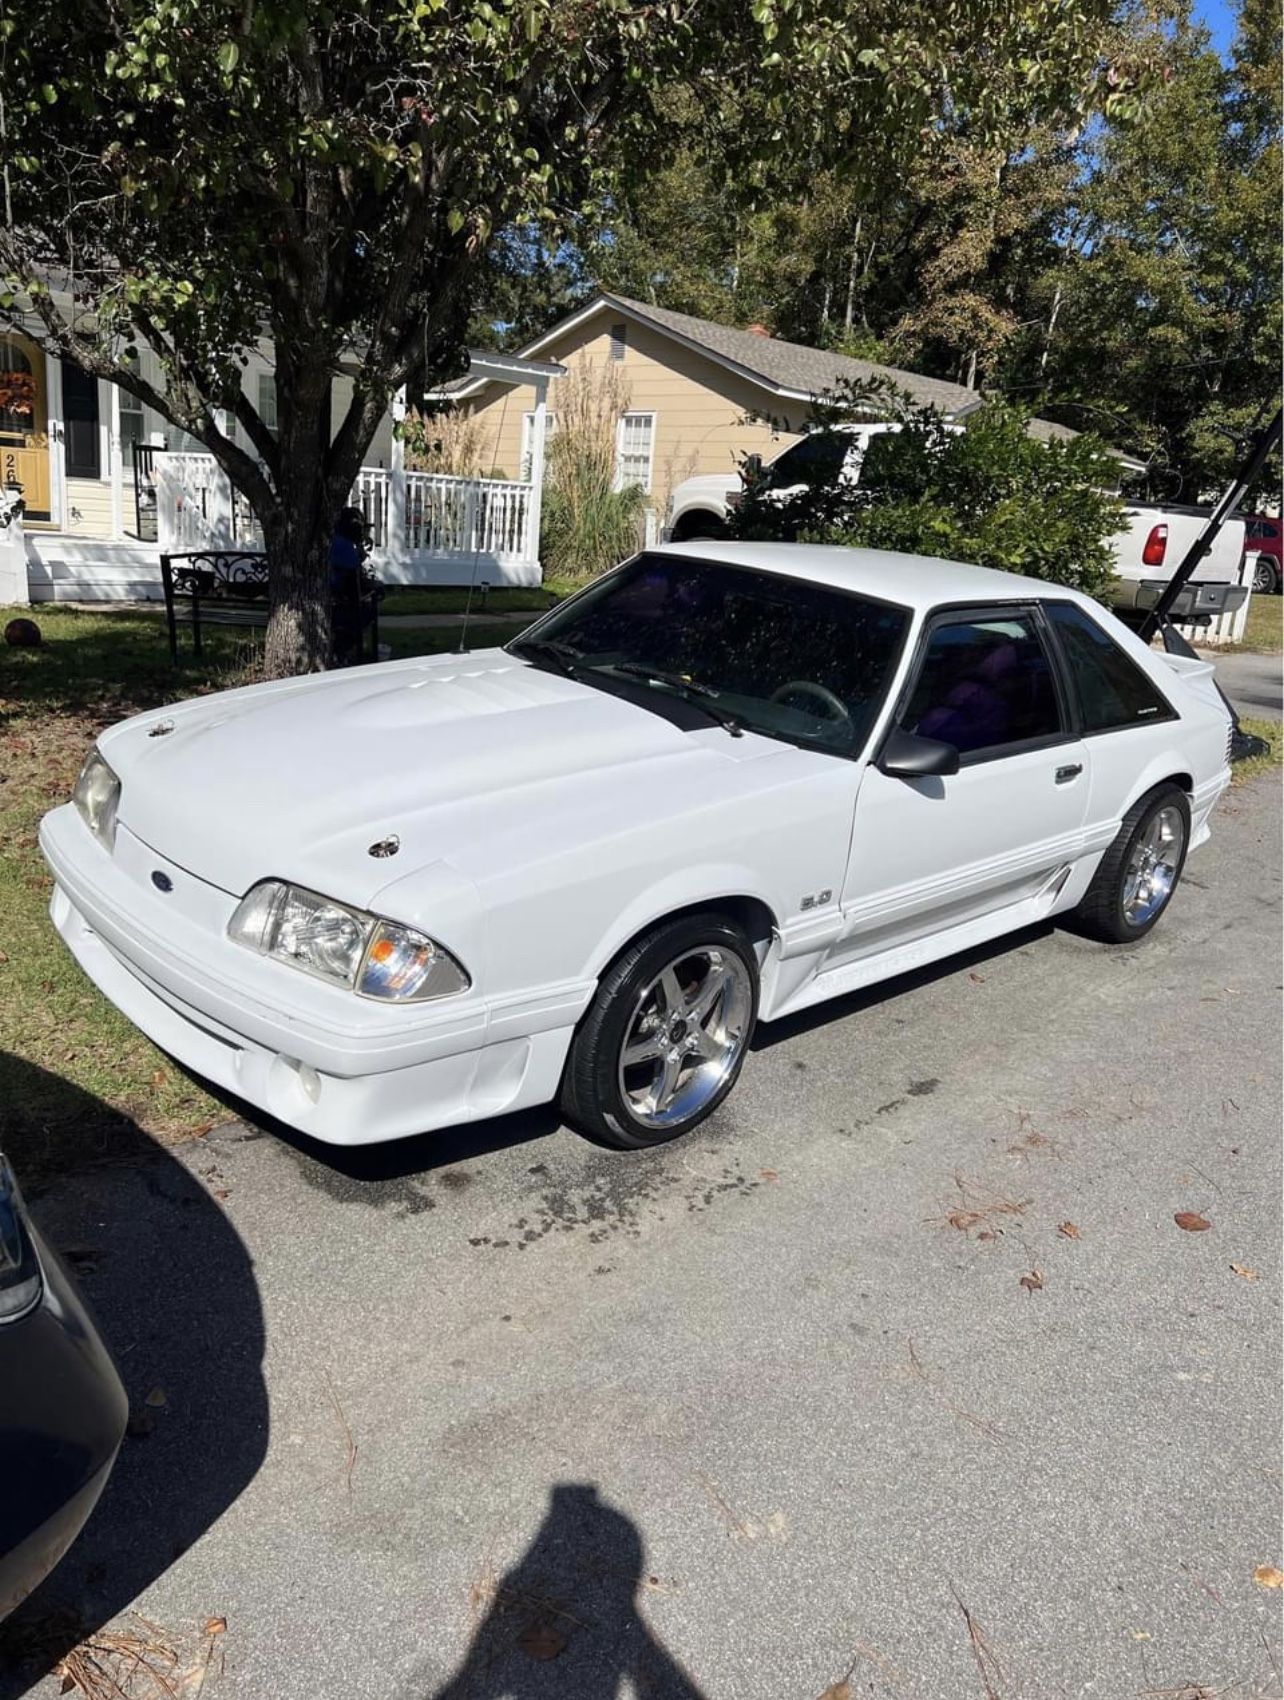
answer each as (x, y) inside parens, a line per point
(334, 1066)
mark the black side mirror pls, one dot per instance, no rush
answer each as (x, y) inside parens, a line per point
(907, 756)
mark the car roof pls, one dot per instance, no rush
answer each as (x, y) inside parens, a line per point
(915, 581)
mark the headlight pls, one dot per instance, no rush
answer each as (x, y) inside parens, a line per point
(96, 795)
(21, 1282)
(373, 957)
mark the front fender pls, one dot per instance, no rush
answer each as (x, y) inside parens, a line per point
(705, 886)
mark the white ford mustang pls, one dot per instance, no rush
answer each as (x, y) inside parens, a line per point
(720, 784)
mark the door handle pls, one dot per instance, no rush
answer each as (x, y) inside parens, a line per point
(1069, 772)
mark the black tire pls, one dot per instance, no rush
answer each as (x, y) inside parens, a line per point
(1101, 913)
(699, 528)
(592, 1097)
(1266, 577)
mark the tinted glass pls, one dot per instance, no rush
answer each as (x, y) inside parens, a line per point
(818, 459)
(984, 684)
(787, 658)
(1112, 690)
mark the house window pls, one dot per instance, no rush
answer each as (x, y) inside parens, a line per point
(80, 422)
(528, 438)
(634, 450)
(618, 336)
(267, 400)
(133, 425)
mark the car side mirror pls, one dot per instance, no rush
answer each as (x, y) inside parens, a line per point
(907, 756)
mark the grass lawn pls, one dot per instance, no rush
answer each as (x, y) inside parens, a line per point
(75, 1076)
(1269, 730)
(1264, 628)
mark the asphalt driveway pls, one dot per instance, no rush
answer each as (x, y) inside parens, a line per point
(1254, 683)
(901, 1367)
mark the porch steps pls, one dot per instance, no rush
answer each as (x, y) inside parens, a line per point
(62, 568)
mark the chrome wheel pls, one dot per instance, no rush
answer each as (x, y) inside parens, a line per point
(685, 1036)
(1153, 866)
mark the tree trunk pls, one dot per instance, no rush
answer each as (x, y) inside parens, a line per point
(853, 266)
(298, 531)
(298, 631)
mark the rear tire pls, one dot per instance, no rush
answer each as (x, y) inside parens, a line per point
(1139, 872)
(1266, 577)
(665, 1038)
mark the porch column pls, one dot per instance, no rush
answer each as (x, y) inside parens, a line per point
(222, 515)
(535, 500)
(114, 462)
(396, 550)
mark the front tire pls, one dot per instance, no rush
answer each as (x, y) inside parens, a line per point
(665, 1038)
(1139, 872)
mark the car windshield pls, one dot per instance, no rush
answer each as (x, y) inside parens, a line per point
(776, 655)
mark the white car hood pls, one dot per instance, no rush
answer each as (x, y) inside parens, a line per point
(298, 779)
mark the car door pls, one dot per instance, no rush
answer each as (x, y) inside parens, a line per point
(932, 853)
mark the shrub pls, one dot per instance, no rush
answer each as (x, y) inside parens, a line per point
(587, 525)
(988, 493)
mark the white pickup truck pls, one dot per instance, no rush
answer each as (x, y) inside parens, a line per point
(1147, 552)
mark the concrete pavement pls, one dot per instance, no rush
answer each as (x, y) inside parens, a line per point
(901, 1366)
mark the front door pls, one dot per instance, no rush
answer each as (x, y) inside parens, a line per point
(24, 423)
(929, 854)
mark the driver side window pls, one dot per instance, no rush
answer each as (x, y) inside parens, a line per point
(985, 685)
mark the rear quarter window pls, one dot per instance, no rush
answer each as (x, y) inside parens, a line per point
(1112, 690)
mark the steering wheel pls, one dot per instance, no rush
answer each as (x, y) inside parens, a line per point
(834, 706)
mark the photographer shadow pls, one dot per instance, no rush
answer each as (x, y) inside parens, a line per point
(564, 1623)
(172, 1289)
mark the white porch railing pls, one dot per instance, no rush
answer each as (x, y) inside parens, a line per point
(426, 528)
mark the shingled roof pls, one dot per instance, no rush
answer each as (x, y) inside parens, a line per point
(790, 370)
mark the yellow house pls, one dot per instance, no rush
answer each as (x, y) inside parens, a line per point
(699, 395)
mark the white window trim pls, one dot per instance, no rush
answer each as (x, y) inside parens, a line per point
(257, 398)
(635, 413)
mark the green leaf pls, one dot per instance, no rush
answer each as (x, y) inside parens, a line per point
(228, 55)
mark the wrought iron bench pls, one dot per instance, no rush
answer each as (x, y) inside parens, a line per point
(228, 588)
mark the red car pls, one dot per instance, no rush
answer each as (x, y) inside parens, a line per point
(1264, 538)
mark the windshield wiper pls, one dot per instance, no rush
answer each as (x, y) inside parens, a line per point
(699, 696)
(563, 656)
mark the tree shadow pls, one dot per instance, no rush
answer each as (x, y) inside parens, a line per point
(172, 1288)
(563, 1623)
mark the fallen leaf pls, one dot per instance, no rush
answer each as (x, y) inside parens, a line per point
(4, 956)
(1242, 1270)
(977, 980)
(989, 1234)
(1192, 1221)
(1267, 1576)
(1069, 1231)
(1033, 1281)
(160, 1077)
(541, 1641)
(838, 1691)
(768, 1175)
(215, 1625)
(156, 1398)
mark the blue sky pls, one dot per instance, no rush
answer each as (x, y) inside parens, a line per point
(1218, 17)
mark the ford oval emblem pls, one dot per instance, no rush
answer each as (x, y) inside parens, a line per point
(161, 881)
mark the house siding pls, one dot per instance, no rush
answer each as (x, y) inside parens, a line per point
(87, 508)
(703, 412)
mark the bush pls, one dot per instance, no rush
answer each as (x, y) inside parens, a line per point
(989, 493)
(587, 525)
